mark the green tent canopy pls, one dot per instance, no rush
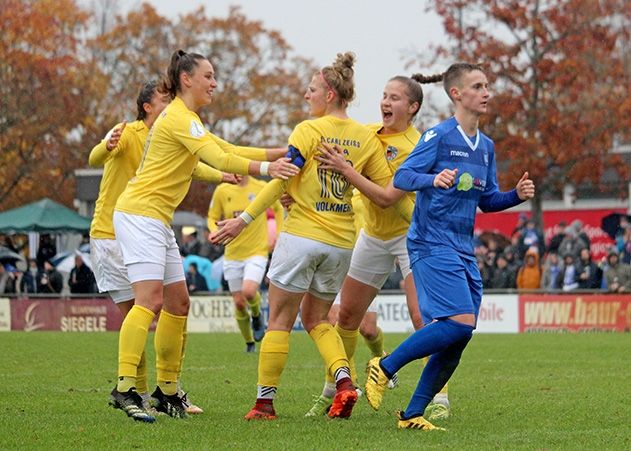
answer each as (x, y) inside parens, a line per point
(44, 215)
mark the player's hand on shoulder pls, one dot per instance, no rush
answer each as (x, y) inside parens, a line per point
(282, 169)
(525, 187)
(446, 178)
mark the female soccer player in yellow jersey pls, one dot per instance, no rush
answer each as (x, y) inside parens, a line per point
(313, 251)
(245, 258)
(119, 153)
(143, 212)
(382, 241)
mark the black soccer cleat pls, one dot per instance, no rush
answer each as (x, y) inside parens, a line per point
(130, 402)
(173, 405)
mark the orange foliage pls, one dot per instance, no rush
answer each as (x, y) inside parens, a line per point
(67, 75)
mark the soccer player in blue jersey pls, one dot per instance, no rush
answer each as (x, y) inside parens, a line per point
(452, 169)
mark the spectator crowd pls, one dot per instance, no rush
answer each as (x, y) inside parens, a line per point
(527, 262)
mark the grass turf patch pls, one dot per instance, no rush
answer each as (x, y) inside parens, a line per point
(531, 391)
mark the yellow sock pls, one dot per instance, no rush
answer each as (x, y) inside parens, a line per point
(255, 304)
(141, 375)
(184, 340)
(272, 357)
(376, 344)
(243, 321)
(353, 369)
(330, 346)
(131, 345)
(349, 339)
(168, 343)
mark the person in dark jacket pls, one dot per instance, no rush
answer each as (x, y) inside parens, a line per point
(49, 279)
(194, 280)
(589, 274)
(28, 284)
(81, 278)
(504, 276)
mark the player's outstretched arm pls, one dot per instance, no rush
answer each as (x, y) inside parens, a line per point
(229, 229)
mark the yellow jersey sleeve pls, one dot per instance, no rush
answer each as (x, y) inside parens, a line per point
(266, 197)
(205, 173)
(191, 134)
(251, 153)
(98, 154)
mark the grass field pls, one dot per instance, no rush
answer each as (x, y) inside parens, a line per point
(540, 391)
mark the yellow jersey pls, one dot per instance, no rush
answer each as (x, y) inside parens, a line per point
(387, 223)
(229, 201)
(120, 165)
(168, 162)
(322, 208)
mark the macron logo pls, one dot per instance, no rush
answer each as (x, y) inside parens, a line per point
(429, 135)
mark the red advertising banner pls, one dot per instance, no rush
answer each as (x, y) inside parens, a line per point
(505, 222)
(72, 315)
(574, 312)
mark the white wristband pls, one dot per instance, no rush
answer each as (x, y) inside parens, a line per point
(264, 168)
(246, 217)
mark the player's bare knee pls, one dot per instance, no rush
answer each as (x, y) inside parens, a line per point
(347, 319)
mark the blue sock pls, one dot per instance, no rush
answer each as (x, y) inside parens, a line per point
(428, 340)
(435, 375)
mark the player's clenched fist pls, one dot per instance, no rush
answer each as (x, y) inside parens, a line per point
(445, 178)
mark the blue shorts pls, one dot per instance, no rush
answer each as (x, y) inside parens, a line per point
(447, 285)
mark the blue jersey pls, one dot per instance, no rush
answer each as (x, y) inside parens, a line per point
(444, 218)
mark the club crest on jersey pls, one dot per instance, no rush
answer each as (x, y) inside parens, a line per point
(391, 153)
(251, 197)
(197, 129)
(486, 158)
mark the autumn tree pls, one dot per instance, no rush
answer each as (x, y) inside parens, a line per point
(67, 75)
(561, 87)
(44, 85)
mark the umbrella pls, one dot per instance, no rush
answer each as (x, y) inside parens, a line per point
(64, 262)
(8, 256)
(611, 223)
(44, 215)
